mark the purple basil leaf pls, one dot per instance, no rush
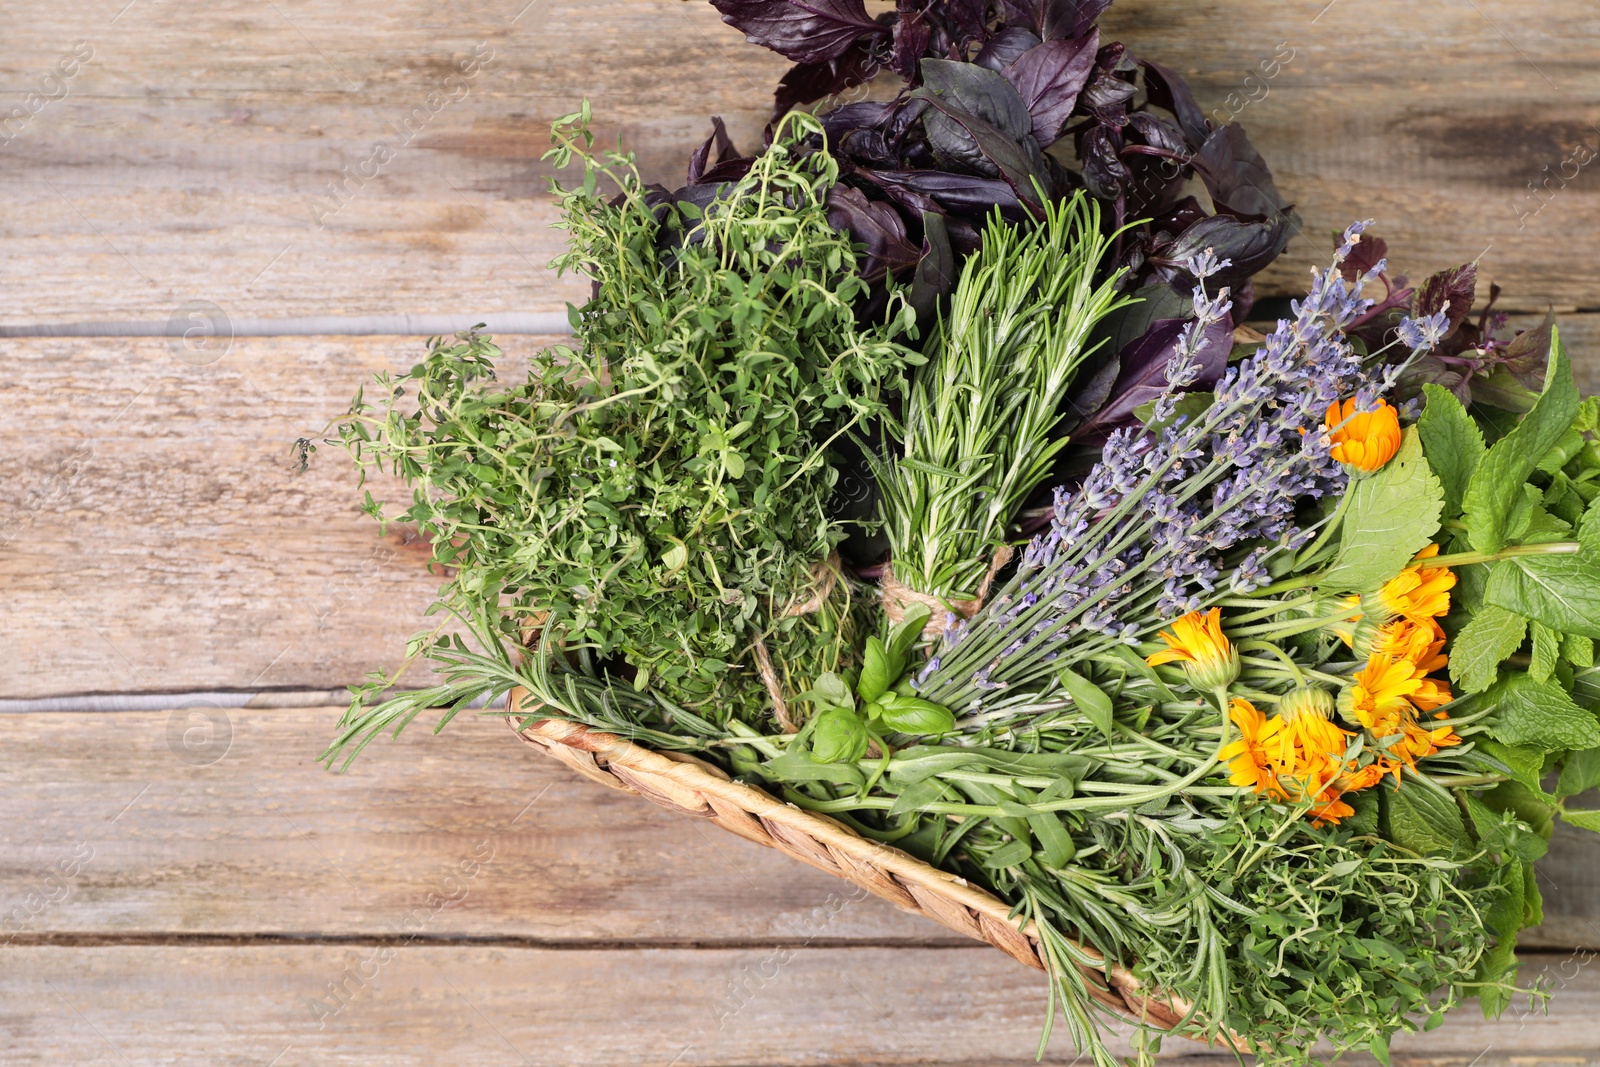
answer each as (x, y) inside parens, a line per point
(806, 31)
(966, 140)
(865, 146)
(1103, 170)
(968, 18)
(1049, 78)
(1528, 354)
(1450, 291)
(1364, 256)
(719, 140)
(1004, 47)
(1143, 374)
(1236, 176)
(1054, 19)
(876, 225)
(911, 35)
(1167, 90)
(958, 194)
(847, 117)
(1105, 98)
(984, 94)
(1087, 398)
(1249, 245)
(805, 82)
(1158, 132)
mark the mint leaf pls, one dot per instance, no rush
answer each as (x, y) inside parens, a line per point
(1392, 514)
(1562, 591)
(1583, 819)
(1496, 485)
(1580, 771)
(1089, 698)
(1525, 763)
(1540, 714)
(1475, 655)
(1424, 818)
(1452, 442)
(1546, 649)
(1578, 650)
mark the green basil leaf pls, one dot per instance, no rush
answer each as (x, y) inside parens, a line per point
(913, 715)
(1526, 712)
(903, 637)
(1089, 698)
(1392, 515)
(1496, 485)
(877, 674)
(839, 737)
(1488, 638)
(1452, 442)
(830, 691)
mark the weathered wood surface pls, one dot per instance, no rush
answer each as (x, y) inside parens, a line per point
(219, 823)
(147, 183)
(157, 540)
(372, 1005)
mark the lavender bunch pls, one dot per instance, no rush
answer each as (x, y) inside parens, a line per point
(1189, 509)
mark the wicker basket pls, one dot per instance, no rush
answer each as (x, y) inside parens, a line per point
(694, 787)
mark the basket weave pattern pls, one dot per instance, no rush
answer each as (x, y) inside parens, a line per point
(693, 787)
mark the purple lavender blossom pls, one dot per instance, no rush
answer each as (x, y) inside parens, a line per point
(1155, 529)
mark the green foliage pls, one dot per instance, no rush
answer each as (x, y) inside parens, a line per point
(1495, 488)
(1424, 818)
(656, 494)
(1391, 515)
(1492, 634)
(977, 435)
(1527, 712)
(1452, 442)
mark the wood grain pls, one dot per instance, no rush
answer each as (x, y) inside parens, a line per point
(150, 182)
(219, 823)
(466, 1004)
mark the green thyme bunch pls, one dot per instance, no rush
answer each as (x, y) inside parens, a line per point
(655, 494)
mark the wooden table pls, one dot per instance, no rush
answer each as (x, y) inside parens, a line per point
(180, 882)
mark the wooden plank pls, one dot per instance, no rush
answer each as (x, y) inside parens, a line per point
(157, 541)
(147, 183)
(218, 823)
(463, 1004)
(157, 538)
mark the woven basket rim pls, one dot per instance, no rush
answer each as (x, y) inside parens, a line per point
(692, 786)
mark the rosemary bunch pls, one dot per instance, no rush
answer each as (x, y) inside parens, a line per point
(976, 436)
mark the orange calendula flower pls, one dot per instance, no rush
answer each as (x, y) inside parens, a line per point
(1197, 641)
(1431, 694)
(1419, 640)
(1419, 592)
(1330, 808)
(1362, 777)
(1379, 697)
(1365, 440)
(1251, 758)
